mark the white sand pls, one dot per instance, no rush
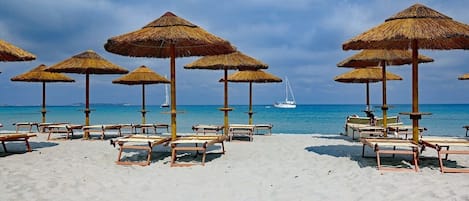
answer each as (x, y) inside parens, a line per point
(278, 167)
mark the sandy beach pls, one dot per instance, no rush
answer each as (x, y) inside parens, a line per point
(277, 167)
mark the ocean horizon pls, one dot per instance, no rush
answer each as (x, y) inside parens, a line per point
(445, 120)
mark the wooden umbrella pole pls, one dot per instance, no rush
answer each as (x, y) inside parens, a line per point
(415, 116)
(173, 91)
(225, 105)
(87, 105)
(250, 103)
(143, 105)
(43, 111)
(384, 108)
(368, 96)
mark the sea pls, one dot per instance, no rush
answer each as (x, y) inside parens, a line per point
(445, 119)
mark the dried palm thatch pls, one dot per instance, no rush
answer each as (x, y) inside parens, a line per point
(415, 27)
(376, 57)
(232, 61)
(464, 77)
(156, 38)
(365, 75)
(169, 37)
(9, 52)
(432, 29)
(141, 75)
(39, 75)
(88, 62)
(257, 76)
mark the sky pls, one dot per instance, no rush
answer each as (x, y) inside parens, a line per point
(301, 40)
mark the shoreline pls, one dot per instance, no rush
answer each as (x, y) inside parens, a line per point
(277, 167)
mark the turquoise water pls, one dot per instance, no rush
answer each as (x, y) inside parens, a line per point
(446, 119)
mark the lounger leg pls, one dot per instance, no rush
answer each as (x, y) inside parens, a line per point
(50, 132)
(120, 152)
(27, 144)
(173, 154)
(149, 153)
(363, 151)
(378, 160)
(223, 147)
(4, 147)
(416, 159)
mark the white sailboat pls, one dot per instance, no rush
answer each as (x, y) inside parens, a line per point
(288, 92)
(166, 101)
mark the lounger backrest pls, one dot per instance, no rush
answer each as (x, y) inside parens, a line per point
(390, 120)
(358, 120)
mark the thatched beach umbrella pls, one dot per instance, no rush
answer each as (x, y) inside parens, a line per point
(464, 77)
(9, 52)
(256, 76)
(415, 27)
(169, 37)
(88, 62)
(378, 57)
(142, 75)
(367, 76)
(39, 75)
(232, 61)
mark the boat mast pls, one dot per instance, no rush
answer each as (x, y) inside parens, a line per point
(291, 91)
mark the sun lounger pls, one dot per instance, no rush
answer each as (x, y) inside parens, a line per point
(195, 143)
(403, 131)
(28, 125)
(439, 143)
(62, 128)
(241, 130)
(102, 129)
(210, 129)
(367, 131)
(377, 144)
(16, 137)
(145, 127)
(267, 127)
(138, 142)
(43, 126)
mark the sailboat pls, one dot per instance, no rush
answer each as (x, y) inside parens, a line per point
(166, 101)
(288, 92)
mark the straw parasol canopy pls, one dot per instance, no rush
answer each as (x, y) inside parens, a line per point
(88, 62)
(380, 57)
(415, 27)
(39, 74)
(367, 76)
(464, 77)
(142, 75)
(232, 61)
(169, 37)
(9, 52)
(252, 76)
(377, 57)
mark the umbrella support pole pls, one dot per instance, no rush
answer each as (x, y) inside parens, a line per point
(384, 108)
(43, 111)
(86, 134)
(173, 91)
(415, 115)
(250, 103)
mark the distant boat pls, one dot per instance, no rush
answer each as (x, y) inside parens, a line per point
(288, 92)
(166, 101)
